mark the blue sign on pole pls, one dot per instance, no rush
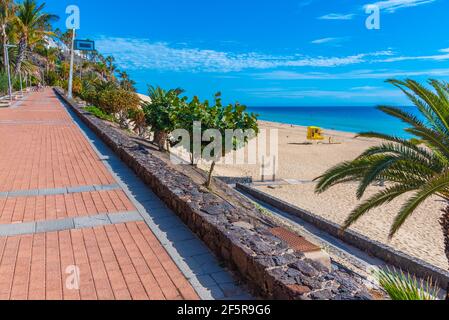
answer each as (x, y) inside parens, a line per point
(84, 45)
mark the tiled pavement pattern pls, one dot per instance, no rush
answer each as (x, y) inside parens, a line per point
(68, 204)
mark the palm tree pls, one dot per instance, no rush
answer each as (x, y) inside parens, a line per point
(109, 61)
(126, 82)
(418, 169)
(7, 17)
(33, 24)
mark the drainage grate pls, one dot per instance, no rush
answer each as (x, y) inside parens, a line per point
(296, 242)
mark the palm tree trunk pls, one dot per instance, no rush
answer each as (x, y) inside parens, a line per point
(21, 54)
(4, 52)
(444, 221)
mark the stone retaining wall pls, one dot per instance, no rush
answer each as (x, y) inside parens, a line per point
(239, 236)
(389, 255)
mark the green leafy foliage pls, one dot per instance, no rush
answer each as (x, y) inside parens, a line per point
(3, 83)
(99, 113)
(160, 112)
(402, 286)
(408, 167)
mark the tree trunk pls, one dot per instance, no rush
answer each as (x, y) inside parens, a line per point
(160, 139)
(444, 221)
(3, 34)
(211, 171)
(21, 54)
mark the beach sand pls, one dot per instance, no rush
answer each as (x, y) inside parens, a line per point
(420, 237)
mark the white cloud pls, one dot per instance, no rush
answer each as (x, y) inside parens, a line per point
(327, 40)
(357, 74)
(437, 57)
(304, 3)
(292, 93)
(337, 16)
(133, 54)
(365, 88)
(393, 5)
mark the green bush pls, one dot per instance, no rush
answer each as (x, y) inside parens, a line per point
(99, 113)
(160, 112)
(3, 83)
(118, 102)
(52, 78)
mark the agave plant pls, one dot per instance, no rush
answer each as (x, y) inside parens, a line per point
(402, 286)
(418, 169)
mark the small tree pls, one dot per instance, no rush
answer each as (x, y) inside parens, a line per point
(159, 113)
(119, 102)
(185, 116)
(215, 127)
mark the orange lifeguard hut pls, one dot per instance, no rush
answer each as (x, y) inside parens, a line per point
(315, 133)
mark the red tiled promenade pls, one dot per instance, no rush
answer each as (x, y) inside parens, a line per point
(52, 179)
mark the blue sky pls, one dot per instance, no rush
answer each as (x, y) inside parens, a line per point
(271, 53)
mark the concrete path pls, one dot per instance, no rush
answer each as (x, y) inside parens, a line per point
(76, 223)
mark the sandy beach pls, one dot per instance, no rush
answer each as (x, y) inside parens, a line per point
(299, 163)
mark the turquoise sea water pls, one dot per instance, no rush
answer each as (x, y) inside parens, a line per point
(349, 119)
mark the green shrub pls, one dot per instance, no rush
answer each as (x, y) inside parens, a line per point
(52, 78)
(3, 83)
(118, 102)
(99, 113)
(160, 113)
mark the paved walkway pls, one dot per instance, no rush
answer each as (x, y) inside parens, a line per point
(76, 223)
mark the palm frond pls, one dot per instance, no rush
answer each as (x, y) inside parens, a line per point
(379, 199)
(352, 170)
(433, 187)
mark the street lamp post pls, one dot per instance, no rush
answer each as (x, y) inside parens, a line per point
(72, 58)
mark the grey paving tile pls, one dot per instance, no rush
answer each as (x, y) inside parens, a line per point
(180, 234)
(23, 193)
(50, 192)
(80, 189)
(211, 293)
(55, 225)
(159, 213)
(17, 229)
(107, 187)
(124, 217)
(203, 281)
(204, 259)
(222, 277)
(167, 223)
(155, 205)
(191, 248)
(92, 221)
(231, 290)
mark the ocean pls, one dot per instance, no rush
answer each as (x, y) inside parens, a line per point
(349, 119)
